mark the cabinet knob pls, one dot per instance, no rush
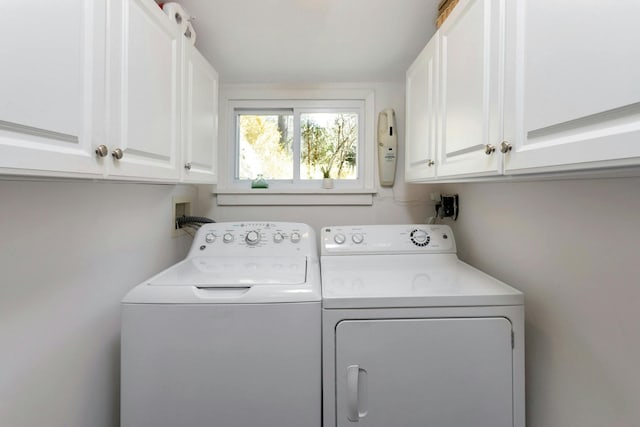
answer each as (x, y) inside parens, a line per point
(430, 163)
(117, 154)
(489, 149)
(102, 150)
(505, 147)
(187, 166)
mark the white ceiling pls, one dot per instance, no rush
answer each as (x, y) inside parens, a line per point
(311, 41)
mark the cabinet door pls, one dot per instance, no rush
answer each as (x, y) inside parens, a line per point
(574, 89)
(421, 114)
(471, 81)
(51, 87)
(424, 372)
(145, 91)
(200, 118)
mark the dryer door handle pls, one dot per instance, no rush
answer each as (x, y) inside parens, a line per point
(356, 393)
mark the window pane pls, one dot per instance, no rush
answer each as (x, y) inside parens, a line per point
(265, 145)
(329, 144)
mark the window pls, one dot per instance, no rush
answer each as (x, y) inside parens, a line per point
(327, 143)
(264, 142)
(294, 139)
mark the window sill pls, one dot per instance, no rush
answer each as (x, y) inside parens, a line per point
(291, 197)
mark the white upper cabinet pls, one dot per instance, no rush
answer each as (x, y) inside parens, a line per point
(144, 91)
(51, 87)
(573, 94)
(530, 87)
(200, 118)
(421, 113)
(470, 90)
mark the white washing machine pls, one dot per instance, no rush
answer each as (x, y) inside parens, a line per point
(230, 336)
(414, 337)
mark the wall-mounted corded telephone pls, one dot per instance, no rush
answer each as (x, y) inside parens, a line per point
(387, 147)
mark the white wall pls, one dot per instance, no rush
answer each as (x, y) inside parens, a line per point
(70, 251)
(573, 248)
(404, 203)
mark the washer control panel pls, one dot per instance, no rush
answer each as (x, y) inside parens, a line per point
(261, 238)
(409, 238)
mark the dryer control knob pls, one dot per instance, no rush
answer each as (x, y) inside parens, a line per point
(227, 238)
(357, 238)
(210, 238)
(252, 238)
(278, 237)
(339, 238)
(295, 237)
(420, 237)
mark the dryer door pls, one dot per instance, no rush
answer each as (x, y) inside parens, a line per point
(454, 372)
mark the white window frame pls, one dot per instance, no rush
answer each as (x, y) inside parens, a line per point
(232, 191)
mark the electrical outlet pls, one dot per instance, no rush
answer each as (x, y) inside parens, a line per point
(449, 208)
(180, 206)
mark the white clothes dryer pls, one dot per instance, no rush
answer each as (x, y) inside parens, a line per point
(230, 336)
(414, 337)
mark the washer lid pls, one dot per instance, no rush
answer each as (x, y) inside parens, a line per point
(434, 280)
(232, 271)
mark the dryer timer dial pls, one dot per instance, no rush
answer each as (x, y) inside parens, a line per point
(420, 237)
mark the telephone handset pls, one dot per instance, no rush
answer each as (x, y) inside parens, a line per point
(387, 147)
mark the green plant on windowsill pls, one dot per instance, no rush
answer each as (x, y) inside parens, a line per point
(327, 181)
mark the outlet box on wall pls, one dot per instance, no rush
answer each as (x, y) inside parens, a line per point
(179, 206)
(449, 207)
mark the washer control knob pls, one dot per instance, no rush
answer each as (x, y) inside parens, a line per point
(295, 237)
(339, 238)
(278, 237)
(227, 238)
(210, 238)
(252, 237)
(420, 237)
(357, 238)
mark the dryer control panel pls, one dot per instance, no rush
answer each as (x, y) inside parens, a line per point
(387, 239)
(254, 239)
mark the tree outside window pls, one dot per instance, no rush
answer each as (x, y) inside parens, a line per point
(329, 144)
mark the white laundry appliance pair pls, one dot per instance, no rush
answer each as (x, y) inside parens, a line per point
(410, 336)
